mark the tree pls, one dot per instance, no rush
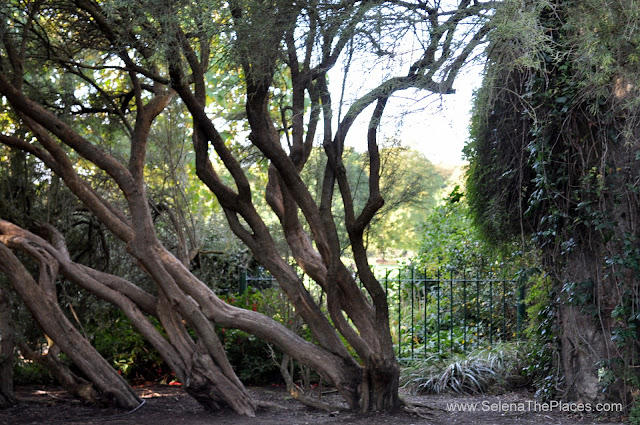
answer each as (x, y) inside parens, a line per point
(6, 352)
(85, 84)
(409, 181)
(411, 185)
(560, 104)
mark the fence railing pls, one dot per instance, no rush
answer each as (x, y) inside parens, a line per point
(449, 311)
(434, 312)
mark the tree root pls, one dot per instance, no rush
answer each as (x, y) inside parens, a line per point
(424, 414)
(270, 405)
(421, 410)
(298, 393)
(314, 402)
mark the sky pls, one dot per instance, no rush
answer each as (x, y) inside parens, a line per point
(440, 132)
(437, 125)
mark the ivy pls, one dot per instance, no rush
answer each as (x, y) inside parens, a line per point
(554, 158)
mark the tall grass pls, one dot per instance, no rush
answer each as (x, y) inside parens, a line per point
(489, 370)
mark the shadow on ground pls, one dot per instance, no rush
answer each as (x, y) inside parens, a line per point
(171, 405)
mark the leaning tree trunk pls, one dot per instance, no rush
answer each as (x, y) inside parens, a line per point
(184, 299)
(6, 352)
(212, 382)
(72, 383)
(40, 298)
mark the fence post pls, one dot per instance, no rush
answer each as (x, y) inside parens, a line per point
(491, 310)
(242, 281)
(438, 308)
(477, 309)
(504, 310)
(520, 311)
(451, 312)
(412, 313)
(399, 313)
(464, 311)
(424, 316)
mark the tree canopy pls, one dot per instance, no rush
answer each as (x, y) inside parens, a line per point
(99, 101)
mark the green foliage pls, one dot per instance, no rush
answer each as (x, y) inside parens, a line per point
(222, 269)
(250, 357)
(542, 361)
(255, 361)
(553, 159)
(409, 184)
(30, 373)
(452, 240)
(450, 312)
(518, 35)
(121, 345)
(634, 413)
(93, 81)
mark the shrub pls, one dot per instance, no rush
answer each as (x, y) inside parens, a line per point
(496, 369)
(134, 358)
(254, 360)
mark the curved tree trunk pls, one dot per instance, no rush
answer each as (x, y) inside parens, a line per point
(207, 377)
(212, 385)
(41, 300)
(185, 304)
(72, 383)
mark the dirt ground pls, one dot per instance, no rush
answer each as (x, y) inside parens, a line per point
(170, 405)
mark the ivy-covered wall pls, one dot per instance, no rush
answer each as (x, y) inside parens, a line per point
(555, 159)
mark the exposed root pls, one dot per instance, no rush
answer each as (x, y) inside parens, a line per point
(419, 409)
(270, 405)
(315, 403)
(298, 393)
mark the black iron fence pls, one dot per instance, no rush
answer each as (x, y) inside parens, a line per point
(450, 311)
(433, 312)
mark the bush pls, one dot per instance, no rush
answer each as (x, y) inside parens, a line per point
(134, 358)
(496, 369)
(30, 373)
(254, 360)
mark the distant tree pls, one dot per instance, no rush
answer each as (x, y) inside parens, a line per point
(86, 85)
(410, 184)
(450, 241)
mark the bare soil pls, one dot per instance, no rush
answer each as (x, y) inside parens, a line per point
(171, 405)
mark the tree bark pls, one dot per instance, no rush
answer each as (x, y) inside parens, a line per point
(72, 383)
(185, 304)
(7, 347)
(41, 301)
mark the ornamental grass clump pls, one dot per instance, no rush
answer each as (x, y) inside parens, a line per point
(478, 372)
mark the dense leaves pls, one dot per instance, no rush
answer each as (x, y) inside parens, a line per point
(564, 122)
